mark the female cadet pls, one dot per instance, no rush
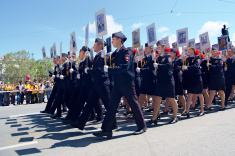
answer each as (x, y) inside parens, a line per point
(205, 77)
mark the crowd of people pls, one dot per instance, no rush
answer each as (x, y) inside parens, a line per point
(28, 92)
(164, 74)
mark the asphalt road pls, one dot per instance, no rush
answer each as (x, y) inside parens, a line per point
(24, 131)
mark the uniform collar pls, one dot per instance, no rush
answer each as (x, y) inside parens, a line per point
(117, 50)
(163, 55)
(192, 56)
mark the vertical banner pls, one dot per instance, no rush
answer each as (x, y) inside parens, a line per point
(109, 45)
(44, 52)
(136, 38)
(205, 43)
(191, 43)
(165, 41)
(54, 48)
(60, 50)
(101, 23)
(73, 41)
(87, 35)
(52, 52)
(151, 34)
(182, 37)
(223, 43)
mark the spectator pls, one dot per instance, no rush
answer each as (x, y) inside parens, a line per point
(7, 94)
(41, 91)
(1, 94)
(48, 89)
(18, 93)
(27, 86)
(22, 93)
(13, 94)
(34, 98)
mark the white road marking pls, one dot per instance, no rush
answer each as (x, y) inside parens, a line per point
(18, 145)
(15, 116)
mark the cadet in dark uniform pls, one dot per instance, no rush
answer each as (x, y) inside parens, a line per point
(194, 80)
(123, 77)
(165, 84)
(229, 74)
(216, 78)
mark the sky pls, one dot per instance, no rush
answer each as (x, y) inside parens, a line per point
(31, 24)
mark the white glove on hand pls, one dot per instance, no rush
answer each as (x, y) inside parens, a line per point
(58, 75)
(47, 70)
(61, 77)
(153, 56)
(225, 68)
(78, 76)
(106, 68)
(61, 67)
(184, 67)
(76, 66)
(224, 59)
(138, 70)
(71, 70)
(86, 69)
(53, 76)
(52, 68)
(103, 53)
(155, 65)
(207, 64)
(137, 59)
(87, 53)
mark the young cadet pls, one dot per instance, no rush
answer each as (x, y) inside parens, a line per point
(148, 76)
(53, 93)
(100, 88)
(229, 74)
(165, 84)
(123, 77)
(216, 79)
(194, 80)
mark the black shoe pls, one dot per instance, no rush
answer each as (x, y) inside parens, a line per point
(74, 124)
(65, 121)
(173, 121)
(221, 109)
(66, 118)
(103, 133)
(126, 113)
(55, 116)
(91, 118)
(207, 109)
(115, 127)
(185, 114)
(158, 117)
(152, 122)
(98, 122)
(165, 113)
(179, 106)
(149, 110)
(140, 131)
(192, 108)
(44, 111)
(200, 113)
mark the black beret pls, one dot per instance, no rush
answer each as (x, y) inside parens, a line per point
(84, 48)
(98, 40)
(173, 50)
(119, 35)
(64, 55)
(214, 48)
(146, 44)
(160, 42)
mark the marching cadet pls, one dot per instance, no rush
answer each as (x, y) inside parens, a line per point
(165, 84)
(148, 76)
(53, 93)
(100, 88)
(194, 80)
(123, 77)
(229, 74)
(216, 79)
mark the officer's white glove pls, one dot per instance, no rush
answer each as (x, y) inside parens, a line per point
(53, 76)
(78, 76)
(52, 68)
(76, 66)
(153, 56)
(71, 70)
(85, 70)
(225, 68)
(61, 66)
(207, 64)
(47, 70)
(138, 70)
(155, 65)
(61, 77)
(206, 57)
(106, 68)
(137, 59)
(184, 67)
(87, 53)
(58, 75)
(57, 69)
(224, 59)
(103, 53)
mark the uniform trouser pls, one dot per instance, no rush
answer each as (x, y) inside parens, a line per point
(128, 91)
(58, 100)
(73, 101)
(52, 98)
(82, 98)
(229, 82)
(99, 90)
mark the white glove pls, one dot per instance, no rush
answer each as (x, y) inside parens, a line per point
(87, 53)
(184, 67)
(137, 59)
(78, 76)
(58, 75)
(206, 57)
(106, 68)
(207, 64)
(71, 70)
(86, 69)
(138, 70)
(225, 68)
(53, 76)
(57, 69)
(224, 59)
(103, 53)
(61, 66)
(61, 77)
(155, 65)
(71, 60)
(76, 66)
(52, 68)
(153, 56)
(47, 70)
